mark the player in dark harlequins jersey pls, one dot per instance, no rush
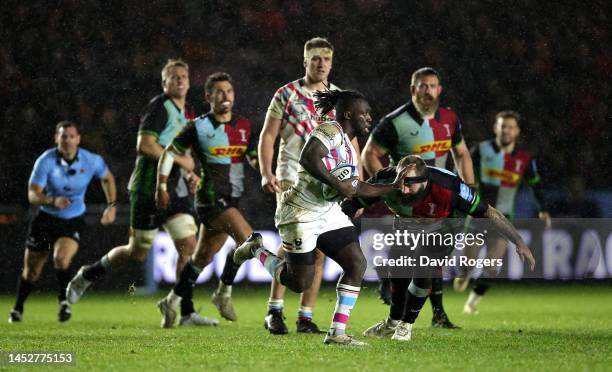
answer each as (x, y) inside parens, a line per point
(500, 167)
(431, 195)
(163, 118)
(221, 140)
(422, 128)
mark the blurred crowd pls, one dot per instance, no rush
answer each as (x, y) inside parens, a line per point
(98, 63)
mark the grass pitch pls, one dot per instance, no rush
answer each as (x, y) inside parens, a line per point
(548, 327)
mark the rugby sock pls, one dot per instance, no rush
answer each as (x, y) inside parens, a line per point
(481, 286)
(275, 304)
(415, 299)
(63, 277)
(23, 291)
(399, 287)
(187, 280)
(224, 289)
(187, 303)
(436, 297)
(230, 269)
(305, 313)
(270, 261)
(473, 299)
(346, 299)
(98, 269)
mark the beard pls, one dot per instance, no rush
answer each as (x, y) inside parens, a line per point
(426, 104)
(414, 198)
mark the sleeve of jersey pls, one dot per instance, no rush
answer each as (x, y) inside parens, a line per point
(154, 120)
(458, 134)
(385, 134)
(468, 201)
(276, 109)
(186, 138)
(100, 168)
(533, 179)
(39, 173)
(328, 134)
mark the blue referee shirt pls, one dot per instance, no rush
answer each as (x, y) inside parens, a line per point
(59, 178)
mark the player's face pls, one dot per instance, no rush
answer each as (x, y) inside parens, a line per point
(413, 189)
(360, 117)
(221, 99)
(176, 84)
(67, 140)
(506, 131)
(426, 93)
(318, 68)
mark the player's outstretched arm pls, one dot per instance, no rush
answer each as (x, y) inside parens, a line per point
(505, 228)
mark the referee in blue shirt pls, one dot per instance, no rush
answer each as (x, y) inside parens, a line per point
(57, 186)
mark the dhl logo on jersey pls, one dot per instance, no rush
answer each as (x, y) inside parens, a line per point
(443, 145)
(504, 175)
(222, 151)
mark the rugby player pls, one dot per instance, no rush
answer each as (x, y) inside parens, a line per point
(421, 127)
(428, 197)
(292, 116)
(501, 166)
(57, 187)
(221, 140)
(163, 119)
(309, 217)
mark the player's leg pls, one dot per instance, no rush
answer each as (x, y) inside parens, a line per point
(208, 244)
(182, 229)
(274, 320)
(342, 246)
(144, 223)
(440, 318)
(33, 263)
(496, 248)
(64, 250)
(136, 250)
(308, 298)
(232, 222)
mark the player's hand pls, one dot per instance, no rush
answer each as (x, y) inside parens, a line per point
(270, 184)
(525, 253)
(162, 198)
(109, 215)
(347, 187)
(186, 162)
(61, 202)
(545, 216)
(192, 181)
(359, 213)
(399, 179)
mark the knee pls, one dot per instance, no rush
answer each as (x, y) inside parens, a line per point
(30, 275)
(140, 244)
(138, 255)
(356, 269)
(61, 262)
(297, 284)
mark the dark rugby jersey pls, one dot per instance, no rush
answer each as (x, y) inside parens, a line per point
(500, 174)
(163, 120)
(403, 132)
(221, 149)
(445, 195)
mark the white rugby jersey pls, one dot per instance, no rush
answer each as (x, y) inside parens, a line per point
(309, 198)
(293, 103)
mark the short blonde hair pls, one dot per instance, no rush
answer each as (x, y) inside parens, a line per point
(170, 64)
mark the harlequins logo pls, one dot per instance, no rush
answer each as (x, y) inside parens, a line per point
(414, 134)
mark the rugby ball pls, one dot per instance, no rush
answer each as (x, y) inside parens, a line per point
(342, 172)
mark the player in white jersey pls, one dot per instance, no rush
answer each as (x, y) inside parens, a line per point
(292, 115)
(309, 216)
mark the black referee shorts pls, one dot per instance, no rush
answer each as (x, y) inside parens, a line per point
(45, 230)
